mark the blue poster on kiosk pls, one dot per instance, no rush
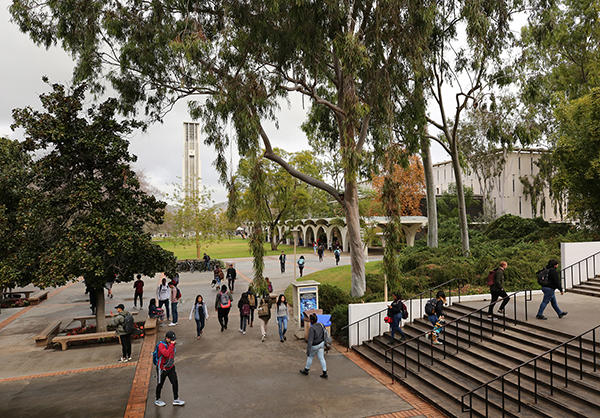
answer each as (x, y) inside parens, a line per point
(308, 300)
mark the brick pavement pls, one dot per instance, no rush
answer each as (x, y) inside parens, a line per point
(136, 405)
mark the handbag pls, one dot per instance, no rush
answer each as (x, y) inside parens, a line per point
(326, 338)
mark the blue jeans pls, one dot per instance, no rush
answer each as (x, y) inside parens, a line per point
(174, 312)
(549, 297)
(199, 325)
(433, 319)
(282, 325)
(319, 350)
(396, 325)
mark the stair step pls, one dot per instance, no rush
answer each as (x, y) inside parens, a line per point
(584, 292)
(588, 286)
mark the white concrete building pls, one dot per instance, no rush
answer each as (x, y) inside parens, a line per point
(191, 158)
(505, 194)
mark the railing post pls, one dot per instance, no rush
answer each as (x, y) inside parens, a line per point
(405, 363)
(469, 330)
(566, 369)
(594, 343)
(418, 355)
(503, 407)
(515, 306)
(379, 324)
(369, 328)
(393, 375)
(580, 360)
(431, 348)
(519, 386)
(535, 382)
(458, 292)
(551, 375)
(481, 325)
(487, 402)
(571, 277)
(471, 405)
(526, 305)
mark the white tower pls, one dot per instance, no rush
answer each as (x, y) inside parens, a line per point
(191, 158)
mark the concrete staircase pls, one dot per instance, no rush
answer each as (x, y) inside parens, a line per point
(446, 380)
(589, 288)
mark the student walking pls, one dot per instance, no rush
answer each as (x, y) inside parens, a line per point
(264, 314)
(231, 276)
(550, 282)
(282, 261)
(92, 295)
(165, 368)
(252, 300)
(434, 309)
(337, 254)
(396, 311)
(206, 259)
(174, 297)
(222, 306)
(125, 326)
(244, 307)
(320, 252)
(218, 276)
(269, 285)
(163, 294)
(496, 283)
(301, 262)
(315, 247)
(138, 285)
(200, 314)
(315, 345)
(282, 317)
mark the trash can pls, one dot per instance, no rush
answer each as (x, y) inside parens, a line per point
(326, 321)
(306, 315)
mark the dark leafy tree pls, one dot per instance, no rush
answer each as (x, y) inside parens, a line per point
(87, 215)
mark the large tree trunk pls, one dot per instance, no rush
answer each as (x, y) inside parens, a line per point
(462, 209)
(274, 239)
(432, 224)
(357, 251)
(100, 311)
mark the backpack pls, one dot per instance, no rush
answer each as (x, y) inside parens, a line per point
(245, 309)
(491, 278)
(263, 310)
(251, 299)
(128, 325)
(543, 277)
(270, 287)
(301, 262)
(430, 306)
(178, 295)
(155, 355)
(225, 300)
(404, 311)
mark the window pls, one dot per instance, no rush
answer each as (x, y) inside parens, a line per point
(520, 205)
(513, 185)
(532, 164)
(437, 189)
(519, 165)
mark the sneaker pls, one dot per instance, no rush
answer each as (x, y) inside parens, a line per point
(281, 340)
(178, 402)
(438, 342)
(304, 372)
(563, 314)
(129, 358)
(222, 328)
(240, 330)
(540, 317)
(262, 340)
(284, 338)
(158, 402)
(490, 316)
(324, 375)
(501, 310)
(172, 324)
(122, 360)
(243, 332)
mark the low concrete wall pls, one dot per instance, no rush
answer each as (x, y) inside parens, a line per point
(375, 326)
(571, 253)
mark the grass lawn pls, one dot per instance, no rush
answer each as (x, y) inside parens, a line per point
(340, 276)
(229, 248)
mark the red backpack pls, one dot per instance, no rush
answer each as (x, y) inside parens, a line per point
(491, 279)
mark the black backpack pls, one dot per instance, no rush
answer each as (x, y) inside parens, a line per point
(543, 277)
(430, 306)
(129, 325)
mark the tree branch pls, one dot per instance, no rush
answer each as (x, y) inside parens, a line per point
(364, 130)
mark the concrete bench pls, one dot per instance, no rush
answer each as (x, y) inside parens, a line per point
(44, 337)
(63, 340)
(38, 297)
(150, 326)
(84, 319)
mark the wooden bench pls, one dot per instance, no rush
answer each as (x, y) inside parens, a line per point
(84, 319)
(44, 337)
(38, 297)
(63, 340)
(150, 326)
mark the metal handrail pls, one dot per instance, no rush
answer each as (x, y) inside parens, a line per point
(578, 264)
(534, 360)
(457, 320)
(420, 296)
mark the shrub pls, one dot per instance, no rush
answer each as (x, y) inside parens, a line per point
(330, 296)
(374, 282)
(512, 227)
(339, 319)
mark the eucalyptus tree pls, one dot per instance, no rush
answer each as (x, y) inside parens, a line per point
(237, 61)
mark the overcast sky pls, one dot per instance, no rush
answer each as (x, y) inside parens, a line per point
(160, 149)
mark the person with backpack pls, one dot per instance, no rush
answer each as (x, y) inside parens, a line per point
(320, 252)
(200, 314)
(269, 285)
(125, 327)
(163, 294)
(549, 279)
(244, 307)
(337, 254)
(222, 306)
(496, 283)
(397, 311)
(282, 258)
(434, 309)
(164, 360)
(175, 297)
(138, 285)
(282, 317)
(301, 262)
(218, 276)
(206, 259)
(231, 276)
(253, 302)
(264, 314)
(317, 335)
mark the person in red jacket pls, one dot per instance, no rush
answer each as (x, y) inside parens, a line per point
(166, 368)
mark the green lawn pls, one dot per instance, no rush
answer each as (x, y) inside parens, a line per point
(340, 276)
(233, 248)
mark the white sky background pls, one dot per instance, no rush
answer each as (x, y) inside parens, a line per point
(160, 149)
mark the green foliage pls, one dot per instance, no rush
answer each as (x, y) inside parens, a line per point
(88, 212)
(339, 319)
(330, 296)
(447, 203)
(511, 227)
